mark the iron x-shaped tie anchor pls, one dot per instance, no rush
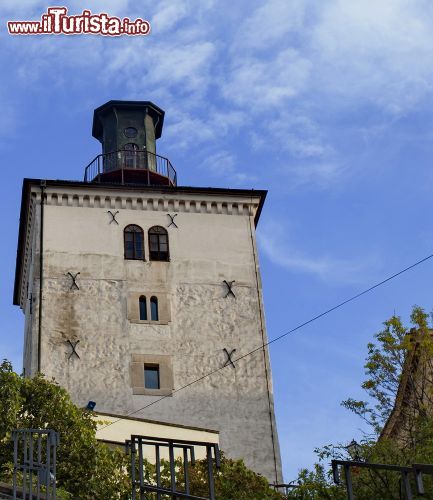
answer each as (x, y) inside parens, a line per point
(229, 288)
(74, 280)
(113, 216)
(229, 357)
(172, 223)
(74, 351)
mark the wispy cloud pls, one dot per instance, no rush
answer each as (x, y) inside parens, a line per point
(377, 52)
(168, 16)
(322, 175)
(31, 8)
(224, 165)
(179, 69)
(280, 249)
(268, 24)
(263, 82)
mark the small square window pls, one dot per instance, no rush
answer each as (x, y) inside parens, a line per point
(151, 377)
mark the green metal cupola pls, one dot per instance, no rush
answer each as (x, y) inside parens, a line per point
(119, 123)
(128, 131)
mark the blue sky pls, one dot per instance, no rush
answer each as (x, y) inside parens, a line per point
(328, 105)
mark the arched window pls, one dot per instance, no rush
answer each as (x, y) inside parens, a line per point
(133, 241)
(131, 155)
(158, 243)
(154, 316)
(143, 308)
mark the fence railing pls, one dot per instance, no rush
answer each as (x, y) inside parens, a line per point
(179, 456)
(284, 488)
(34, 472)
(155, 169)
(417, 470)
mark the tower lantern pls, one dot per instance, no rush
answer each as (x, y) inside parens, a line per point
(128, 131)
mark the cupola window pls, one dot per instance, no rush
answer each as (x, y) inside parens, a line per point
(131, 155)
(130, 132)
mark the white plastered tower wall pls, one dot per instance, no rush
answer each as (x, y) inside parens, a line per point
(214, 241)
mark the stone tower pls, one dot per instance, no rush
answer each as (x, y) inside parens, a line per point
(132, 287)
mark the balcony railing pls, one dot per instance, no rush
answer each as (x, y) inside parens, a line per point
(130, 167)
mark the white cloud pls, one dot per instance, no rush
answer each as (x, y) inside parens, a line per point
(302, 67)
(179, 69)
(221, 163)
(269, 23)
(111, 7)
(317, 175)
(280, 250)
(168, 15)
(18, 8)
(32, 8)
(376, 51)
(260, 83)
(224, 165)
(298, 134)
(186, 130)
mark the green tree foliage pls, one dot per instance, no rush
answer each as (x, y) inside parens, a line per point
(87, 469)
(316, 484)
(386, 358)
(233, 480)
(396, 349)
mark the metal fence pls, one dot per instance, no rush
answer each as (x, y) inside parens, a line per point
(415, 471)
(180, 458)
(284, 488)
(34, 472)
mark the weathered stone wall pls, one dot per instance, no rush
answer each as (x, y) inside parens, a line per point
(206, 249)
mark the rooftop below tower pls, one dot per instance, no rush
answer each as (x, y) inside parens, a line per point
(128, 131)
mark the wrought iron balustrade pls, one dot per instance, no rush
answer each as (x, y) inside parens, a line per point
(34, 472)
(405, 472)
(131, 166)
(144, 485)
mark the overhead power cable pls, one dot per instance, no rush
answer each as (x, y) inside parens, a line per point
(276, 339)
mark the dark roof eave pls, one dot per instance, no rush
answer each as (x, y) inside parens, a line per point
(168, 189)
(21, 239)
(156, 110)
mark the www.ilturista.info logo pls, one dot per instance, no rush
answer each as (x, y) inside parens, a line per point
(56, 21)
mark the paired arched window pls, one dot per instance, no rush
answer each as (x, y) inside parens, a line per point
(142, 306)
(158, 243)
(134, 242)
